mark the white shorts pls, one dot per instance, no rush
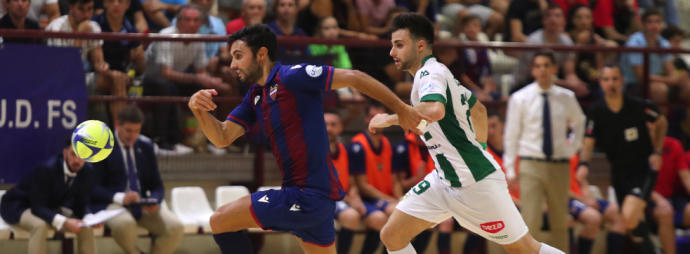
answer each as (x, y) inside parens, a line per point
(484, 208)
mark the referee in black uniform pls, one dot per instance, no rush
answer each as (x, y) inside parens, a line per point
(617, 124)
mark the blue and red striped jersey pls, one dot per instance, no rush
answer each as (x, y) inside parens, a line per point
(289, 108)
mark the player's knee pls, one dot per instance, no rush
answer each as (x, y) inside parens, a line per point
(349, 219)
(376, 220)
(391, 239)
(663, 212)
(590, 217)
(217, 225)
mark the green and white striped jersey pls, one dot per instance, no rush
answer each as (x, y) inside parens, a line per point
(460, 159)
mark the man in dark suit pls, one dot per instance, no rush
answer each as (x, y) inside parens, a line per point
(129, 178)
(55, 193)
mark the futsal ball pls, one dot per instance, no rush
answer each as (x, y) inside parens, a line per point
(92, 141)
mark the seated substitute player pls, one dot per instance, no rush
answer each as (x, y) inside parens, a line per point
(674, 181)
(287, 102)
(348, 211)
(371, 158)
(467, 183)
(588, 210)
(618, 120)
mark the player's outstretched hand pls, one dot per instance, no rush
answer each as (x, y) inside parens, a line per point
(379, 121)
(203, 100)
(409, 119)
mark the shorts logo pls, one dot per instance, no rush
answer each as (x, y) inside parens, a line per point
(256, 99)
(313, 70)
(295, 208)
(263, 199)
(492, 227)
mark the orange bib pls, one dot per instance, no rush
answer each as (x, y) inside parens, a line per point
(378, 166)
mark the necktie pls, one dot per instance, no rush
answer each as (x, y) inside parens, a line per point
(547, 144)
(132, 175)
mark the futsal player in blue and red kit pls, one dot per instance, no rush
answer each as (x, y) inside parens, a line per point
(286, 101)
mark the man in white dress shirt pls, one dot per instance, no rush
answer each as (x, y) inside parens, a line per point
(538, 120)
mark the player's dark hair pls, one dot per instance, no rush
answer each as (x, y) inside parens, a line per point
(73, 2)
(420, 26)
(650, 12)
(257, 36)
(130, 114)
(545, 53)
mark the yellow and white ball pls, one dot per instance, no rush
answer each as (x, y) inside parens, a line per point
(92, 141)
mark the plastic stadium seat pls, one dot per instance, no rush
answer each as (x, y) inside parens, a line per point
(612, 195)
(192, 207)
(227, 194)
(4, 228)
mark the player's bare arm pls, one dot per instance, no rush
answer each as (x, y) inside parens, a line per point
(221, 134)
(432, 111)
(409, 118)
(479, 121)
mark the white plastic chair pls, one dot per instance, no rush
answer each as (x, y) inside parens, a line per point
(227, 194)
(5, 229)
(192, 208)
(612, 195)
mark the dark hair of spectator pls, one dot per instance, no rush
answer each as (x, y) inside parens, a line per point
(469, 18)
(276, 3)
(650, 12)
(545, 53)
(420, 26)
(374, 104)
(549, 7)
(569, 25)
(257, 36)
(672, 31)
(130, 114)
(74, 2)
(319, 25)
(330, 111)
(67, 142)
(492, 112)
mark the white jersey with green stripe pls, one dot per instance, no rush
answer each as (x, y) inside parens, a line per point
(460, 159)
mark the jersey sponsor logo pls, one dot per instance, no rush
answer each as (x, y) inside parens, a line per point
(492, 227)
(295, 208)
(263, 199)
(274, 91)
(631, 134)
(256, 99)
(424, 73)
(434, 147)
(314, 71)
(499, 236)
(427, 88)
(356, 148)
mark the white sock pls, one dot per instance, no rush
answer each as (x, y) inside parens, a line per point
(407, 250)
(546, 249)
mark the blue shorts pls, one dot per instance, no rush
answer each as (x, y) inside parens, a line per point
(340, 206)
(576, 207)
(374, 205)
(306, 213)
(679, 202)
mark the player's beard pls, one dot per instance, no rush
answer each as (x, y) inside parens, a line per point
(253, 73)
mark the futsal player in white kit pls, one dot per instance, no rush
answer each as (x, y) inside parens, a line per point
(467, 183)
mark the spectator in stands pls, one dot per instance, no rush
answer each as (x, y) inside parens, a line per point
(566, 5)
(253, 12)
(349, 211)
(134, 14)
(592, 213)
(121, 56)
(581, 31)
(538, 119)
(177, 69)
(552, 33)
(374, 15)
(619, 120)
(129, 178)
(475, 63)
(37, 9)
(616, 19)
(494, 145)
(675, 37)
(211, 26)
(79, 20)
(664, 80)
(523, 18)
(491, 20)
(62, 183)
(16, 18)
(668, 6)
(285, 23)
(671, 186)
(159, 13)
(371, 157)
(345, 12)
